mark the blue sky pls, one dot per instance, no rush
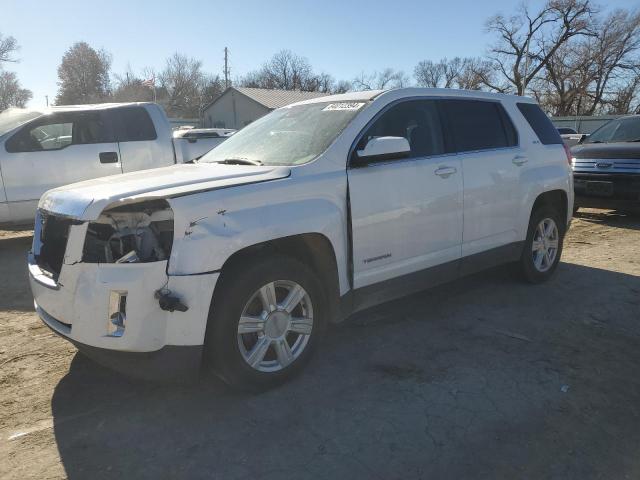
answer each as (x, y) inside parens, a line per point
(342, 38)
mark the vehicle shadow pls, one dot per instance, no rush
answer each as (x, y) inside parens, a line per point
(611, 218)
(15, 294)
(482, 378)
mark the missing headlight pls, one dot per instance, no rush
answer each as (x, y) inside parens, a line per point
(138, 232)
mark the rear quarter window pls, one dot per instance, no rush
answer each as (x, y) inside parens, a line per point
(134, 125)
(540, 123)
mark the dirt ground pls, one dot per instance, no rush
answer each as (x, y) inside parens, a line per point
(483, 378)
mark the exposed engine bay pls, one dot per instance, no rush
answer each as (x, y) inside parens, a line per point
(139, 232)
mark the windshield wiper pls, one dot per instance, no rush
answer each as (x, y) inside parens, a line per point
(239, 161)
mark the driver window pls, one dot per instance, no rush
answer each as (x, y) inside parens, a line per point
(57, 131)
(417, 121)
(53, 136)
(50, 134)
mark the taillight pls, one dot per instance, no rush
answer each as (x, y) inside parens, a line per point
(567, 150)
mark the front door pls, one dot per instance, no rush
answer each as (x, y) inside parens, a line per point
(56, 150)
(406, 214)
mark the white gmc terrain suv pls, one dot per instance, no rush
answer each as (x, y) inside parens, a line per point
(315, 211)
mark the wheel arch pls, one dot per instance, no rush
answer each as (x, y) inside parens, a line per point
(313, 249)
(557, 199)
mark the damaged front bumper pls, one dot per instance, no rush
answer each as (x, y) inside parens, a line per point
(78, 307)
(170, 363)
(117, 312)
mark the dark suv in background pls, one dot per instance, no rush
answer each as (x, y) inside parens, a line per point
(606, 166)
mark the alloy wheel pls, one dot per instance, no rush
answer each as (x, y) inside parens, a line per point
(275, 326)
(545, 244)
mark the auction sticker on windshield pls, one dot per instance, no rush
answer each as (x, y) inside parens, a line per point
(342, 106)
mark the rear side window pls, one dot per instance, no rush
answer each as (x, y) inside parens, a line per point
(479, 125)
(540, 123)
(91, 127)
(134, 125)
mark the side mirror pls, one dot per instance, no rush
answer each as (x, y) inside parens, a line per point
(383, 148)
(583, 137)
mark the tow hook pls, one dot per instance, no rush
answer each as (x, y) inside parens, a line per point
(168, 302)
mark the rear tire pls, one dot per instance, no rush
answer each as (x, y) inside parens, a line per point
(266, 320)
(543, 246)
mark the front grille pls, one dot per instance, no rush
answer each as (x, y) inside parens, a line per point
(54, 234)
(603, 165)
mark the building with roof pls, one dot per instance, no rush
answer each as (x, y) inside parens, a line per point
(239, 106)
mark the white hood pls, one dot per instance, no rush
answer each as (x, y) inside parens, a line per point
(86, 200)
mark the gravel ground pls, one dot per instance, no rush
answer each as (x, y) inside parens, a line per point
(483, 378)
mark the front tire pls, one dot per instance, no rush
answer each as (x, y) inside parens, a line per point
(543, 245)
(266, 320)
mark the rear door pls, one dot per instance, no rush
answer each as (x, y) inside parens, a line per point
(406, 214)
(142, 145)
(492, 163)
(55, 150)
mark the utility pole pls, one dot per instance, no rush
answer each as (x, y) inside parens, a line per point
(226, 68)
(47, 99)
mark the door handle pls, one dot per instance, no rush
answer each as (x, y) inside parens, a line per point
(445, 172)
(108, 157)
(519, 160)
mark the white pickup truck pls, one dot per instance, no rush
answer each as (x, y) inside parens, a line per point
(314, 211)
(40, 150)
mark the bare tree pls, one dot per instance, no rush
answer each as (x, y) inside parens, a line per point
(285, 71)
(564, 80)
(614, 56)
(8, 46)
(212, 88)
(250, 80)
(11, 93)
(83, 75)
(181, 86)
(129, 86)
(289, 71)
(322, 82)
(343, 86)
(387, 78)
(475, 74)
(625, 98)
(526, 41)
(430, 74)
(596, 73)
(466, 73)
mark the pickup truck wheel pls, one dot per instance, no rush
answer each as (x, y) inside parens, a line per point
(543, 246)
(266, 321)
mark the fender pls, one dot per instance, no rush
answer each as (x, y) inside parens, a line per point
(211, 226)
